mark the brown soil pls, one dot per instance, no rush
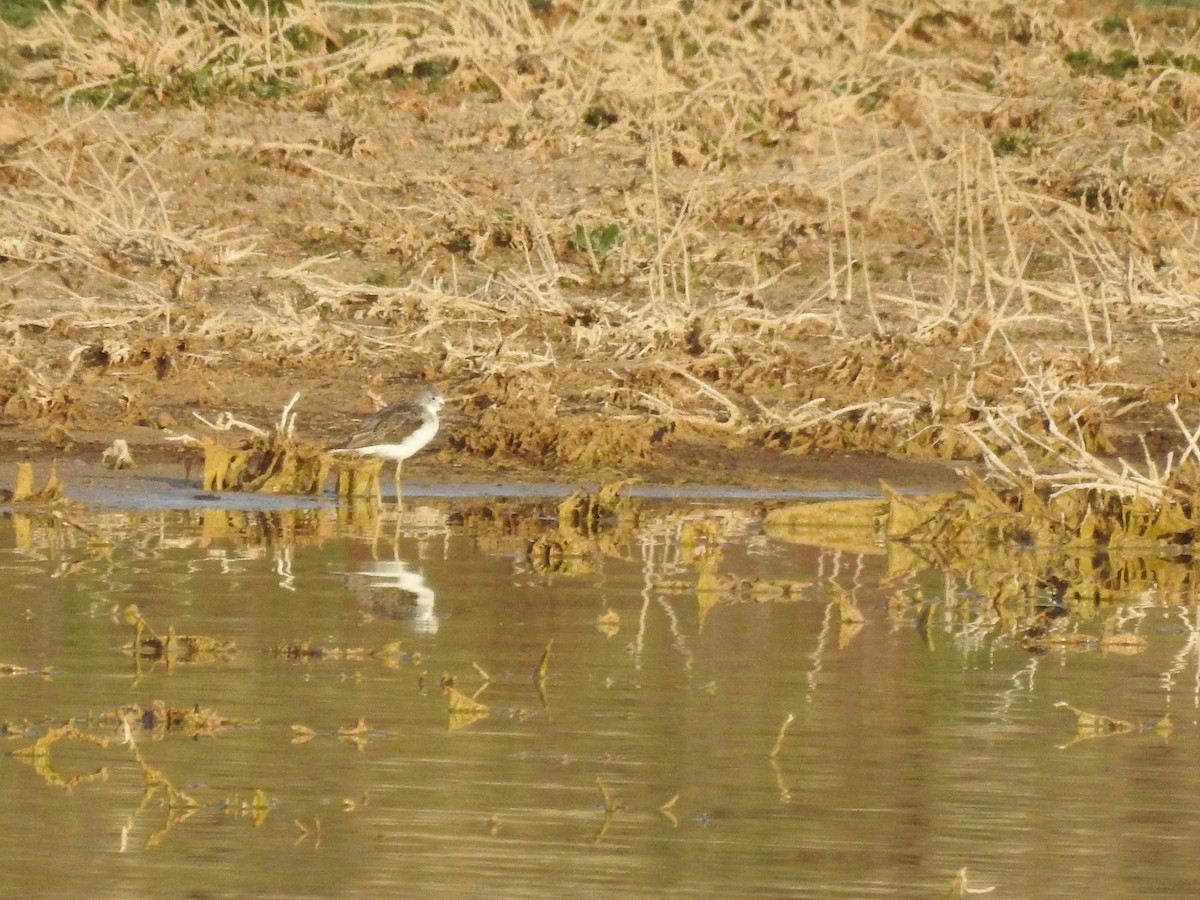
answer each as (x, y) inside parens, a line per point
(697, 242)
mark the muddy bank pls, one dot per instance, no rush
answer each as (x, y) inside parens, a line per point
(673, 241)
(167, 475)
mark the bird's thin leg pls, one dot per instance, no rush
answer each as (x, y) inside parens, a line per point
(396, 533)
(376, 530)
(399, 463)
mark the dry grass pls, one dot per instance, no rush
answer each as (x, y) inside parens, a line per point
(952, 231)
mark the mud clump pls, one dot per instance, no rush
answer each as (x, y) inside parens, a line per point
(580, 440)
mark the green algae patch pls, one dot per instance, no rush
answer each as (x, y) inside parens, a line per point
(25, 490)
(846, 524)
(271, 464)
(1042, 515)
(587, 524)
(1091, 725)
(158, 720)
(356, 478)
(306, 651)
(276, 461)
(172, 647)
(587, 514)
(1028, 514)
(463, 710)
(861, 514)
(268, 461)
(8, 670)
(37, 754)
(1053, 558)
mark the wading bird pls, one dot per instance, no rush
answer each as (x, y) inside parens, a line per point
(398, 431)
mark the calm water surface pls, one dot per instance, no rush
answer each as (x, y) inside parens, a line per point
(923, 741)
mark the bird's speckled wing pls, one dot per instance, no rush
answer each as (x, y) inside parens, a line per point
(390, 425)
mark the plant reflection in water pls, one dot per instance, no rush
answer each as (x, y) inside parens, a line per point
(718, 693)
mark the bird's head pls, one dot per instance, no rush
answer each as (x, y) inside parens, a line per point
(430, 399)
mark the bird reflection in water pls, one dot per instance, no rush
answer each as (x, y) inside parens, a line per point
(389, 589)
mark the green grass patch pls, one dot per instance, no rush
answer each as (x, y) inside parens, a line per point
(185, 87)
(1121, 61)
(21, 13)
(324, 246)
(597, 240)
(384, 278)
(598, 117)
(1014, 143)
(35, 52)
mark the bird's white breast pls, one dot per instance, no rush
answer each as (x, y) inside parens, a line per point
(407, 447)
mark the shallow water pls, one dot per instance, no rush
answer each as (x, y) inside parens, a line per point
(923, 740)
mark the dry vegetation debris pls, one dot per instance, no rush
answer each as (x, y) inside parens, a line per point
(803, 226)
